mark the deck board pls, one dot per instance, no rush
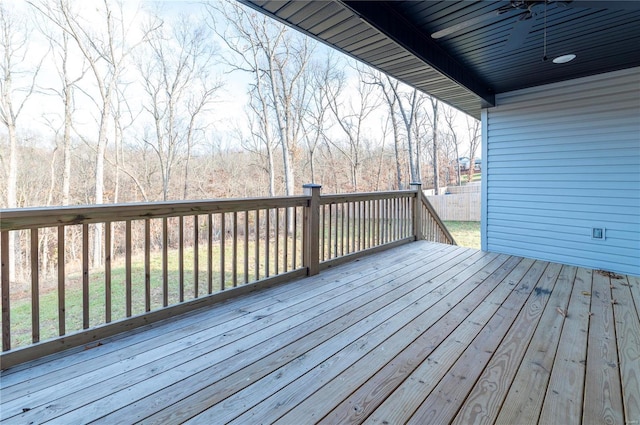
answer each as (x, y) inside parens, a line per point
(424, 333)
(602, 394)
(563, 400)
(627, 324)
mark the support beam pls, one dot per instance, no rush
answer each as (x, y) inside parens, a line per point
(385, 19)
(311, 247)
(417, 211)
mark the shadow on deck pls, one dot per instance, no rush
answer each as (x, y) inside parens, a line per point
(423, 333)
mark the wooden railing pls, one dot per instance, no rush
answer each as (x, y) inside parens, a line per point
(155, 260)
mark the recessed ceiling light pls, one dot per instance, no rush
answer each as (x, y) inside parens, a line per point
(564, 58)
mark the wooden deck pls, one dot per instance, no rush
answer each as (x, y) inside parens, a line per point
(422, 334)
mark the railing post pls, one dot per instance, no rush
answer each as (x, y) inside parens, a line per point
(311, 227)
(417, 211)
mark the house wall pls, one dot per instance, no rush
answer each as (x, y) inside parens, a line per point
(561, 159)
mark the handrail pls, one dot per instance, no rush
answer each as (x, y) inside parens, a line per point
(27, 218)
(433, 215)
(154, 260)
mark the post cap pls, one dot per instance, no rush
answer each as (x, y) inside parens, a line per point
(311, 186)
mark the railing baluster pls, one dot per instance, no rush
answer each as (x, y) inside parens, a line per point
(210, 253)
(85, 276)
(267, 245)
(363, 219)
(400, 213)
(295, 238)
(181, 258)
(399, 218)
(147, 265)
(128, 282)
(407, 218)
(196, 265)
(257, 246)
(107, 272)
(35, 287)
(348, 230)
(277, 236)
(363, 226)
(329, 231)
(390, 222)
(354, 225)
(61, 281)
(246, 247)
(223, 237)
(376, 205)
(336, 239)
(286, 239)
(342, 229)
(323, 225)
(358, 224)
(398, 208)
(234, 260)
(396, 219)
(367, 218)
(6, 299)
(387, 220)
(165, 262)
(368, 221)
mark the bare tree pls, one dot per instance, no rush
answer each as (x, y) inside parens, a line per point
(350, 115)
(261, 141)
(106, 50)
(70, 75)
(449, 115)
(179, 88)
(15, 91)
(315, 124)
(435, 105)
(406, 105)
(277, 59)
(473, 130)
(389, 88)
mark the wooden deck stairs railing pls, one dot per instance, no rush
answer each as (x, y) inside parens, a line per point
(90, 272)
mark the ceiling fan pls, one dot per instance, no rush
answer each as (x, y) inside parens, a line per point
(526, 12)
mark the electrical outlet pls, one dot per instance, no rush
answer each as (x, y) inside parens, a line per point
(598, 233)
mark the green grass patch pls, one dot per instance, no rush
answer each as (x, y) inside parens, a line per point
(465, 177)
(466, 233)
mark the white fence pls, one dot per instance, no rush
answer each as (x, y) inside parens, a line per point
(461, 204)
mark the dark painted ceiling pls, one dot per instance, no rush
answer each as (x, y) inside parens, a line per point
(464, 52)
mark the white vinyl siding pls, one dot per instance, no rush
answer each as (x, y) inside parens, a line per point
(560, 160)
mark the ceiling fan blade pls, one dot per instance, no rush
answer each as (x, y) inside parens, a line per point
(519, 33)
(469, 22)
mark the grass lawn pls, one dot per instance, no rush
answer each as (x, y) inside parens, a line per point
(465, 177)
(466, 233)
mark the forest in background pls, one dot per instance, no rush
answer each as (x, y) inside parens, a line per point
(137, 102)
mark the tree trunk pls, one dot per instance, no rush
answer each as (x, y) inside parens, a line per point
(12, 201)
(68, 105)
(436, 169)
(99, 183)
(396, 148)
(458, 176)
